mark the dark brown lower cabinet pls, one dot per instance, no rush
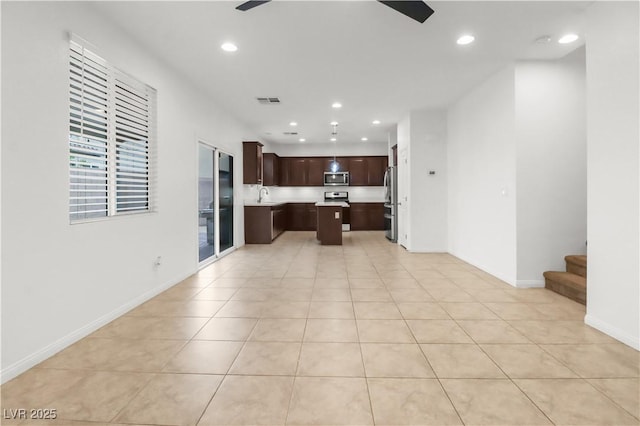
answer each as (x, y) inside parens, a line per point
(367, 216)
(311, 217)
(263, 224)
(301, 217)
(279, 220)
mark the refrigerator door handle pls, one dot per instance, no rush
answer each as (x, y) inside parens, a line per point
(387, 189)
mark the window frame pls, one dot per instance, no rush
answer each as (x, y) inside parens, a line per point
(130, 156)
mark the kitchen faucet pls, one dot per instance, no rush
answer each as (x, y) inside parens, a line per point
(260, 193)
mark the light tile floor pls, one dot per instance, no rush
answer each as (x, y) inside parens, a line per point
(364, 333)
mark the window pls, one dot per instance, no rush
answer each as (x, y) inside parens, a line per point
(111, 139)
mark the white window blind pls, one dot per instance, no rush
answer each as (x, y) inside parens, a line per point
(111, 139)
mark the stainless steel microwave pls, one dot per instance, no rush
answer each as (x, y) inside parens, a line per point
(336, 178)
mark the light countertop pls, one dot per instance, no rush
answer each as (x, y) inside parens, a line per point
(264, 203)
(279, 203)
(332, 204)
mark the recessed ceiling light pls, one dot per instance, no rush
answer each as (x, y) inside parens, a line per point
(229, 47)
(364, 139)
(302, 139)
(336, 105)
(334, 123)
(293, 123)
(333, 139)
(376, 122)
(465, 39)
(568, 38)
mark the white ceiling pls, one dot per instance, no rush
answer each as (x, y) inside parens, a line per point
(378, 63)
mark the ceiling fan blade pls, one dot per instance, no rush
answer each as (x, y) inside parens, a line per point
(251, 4)
(417, 10)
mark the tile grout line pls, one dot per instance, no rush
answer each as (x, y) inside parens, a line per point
(455, 409)
(224, 376)
(295, 374)
(477, 344)
(364, 367)
(539, 346)
(588, 379)
(509, 377)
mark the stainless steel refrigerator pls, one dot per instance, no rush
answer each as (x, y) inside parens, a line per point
(391, 203)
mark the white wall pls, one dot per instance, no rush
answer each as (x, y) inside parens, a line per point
(61, 281)
(613, 292)
(551, 164)
(403, 214)
(428, 193)
(393, 141)
(422, 212)
(482, 177)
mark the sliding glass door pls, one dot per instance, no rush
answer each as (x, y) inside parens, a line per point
(225, 189)
(215, 202)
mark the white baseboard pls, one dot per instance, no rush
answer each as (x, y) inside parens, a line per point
(615, 332)
(485, 269)
(529, 283)
(426, 250)
(48, 351)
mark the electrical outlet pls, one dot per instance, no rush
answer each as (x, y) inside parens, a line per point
(337, 214)
(158, 261)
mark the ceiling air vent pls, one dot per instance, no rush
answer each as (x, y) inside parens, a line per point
(290, 133)
(268, 101)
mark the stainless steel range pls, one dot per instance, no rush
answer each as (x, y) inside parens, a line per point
(344, 197)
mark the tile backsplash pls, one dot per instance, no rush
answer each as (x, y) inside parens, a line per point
(303, 194)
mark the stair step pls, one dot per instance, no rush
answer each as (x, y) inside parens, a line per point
(567, 284)
(577, 264)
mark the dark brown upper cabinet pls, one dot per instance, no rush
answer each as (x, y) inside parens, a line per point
(367, 171)
(298, 172)
(251, 163)
(358, 171)
(301, 171)
(285, 168)
(343, 163)
(270, 169)
(315, 171)
(376, 166)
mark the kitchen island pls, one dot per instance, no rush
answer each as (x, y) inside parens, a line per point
(329, 228)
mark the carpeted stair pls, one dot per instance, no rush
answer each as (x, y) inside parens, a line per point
(573, 282)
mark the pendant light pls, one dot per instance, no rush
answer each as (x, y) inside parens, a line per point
(335, 166)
